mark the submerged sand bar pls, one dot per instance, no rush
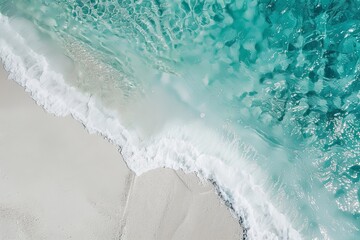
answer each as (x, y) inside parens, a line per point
(59, 182)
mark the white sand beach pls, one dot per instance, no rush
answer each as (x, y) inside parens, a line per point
(57, 181)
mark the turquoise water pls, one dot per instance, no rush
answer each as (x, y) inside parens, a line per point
(262, 97)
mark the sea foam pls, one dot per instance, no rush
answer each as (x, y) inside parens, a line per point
(223, 159)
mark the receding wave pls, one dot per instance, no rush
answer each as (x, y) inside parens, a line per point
(261, 98)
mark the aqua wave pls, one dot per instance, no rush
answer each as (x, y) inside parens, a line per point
(278, 77)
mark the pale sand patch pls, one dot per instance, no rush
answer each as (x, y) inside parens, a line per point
(59, 182)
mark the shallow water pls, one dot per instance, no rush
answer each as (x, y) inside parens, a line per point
(261, 97)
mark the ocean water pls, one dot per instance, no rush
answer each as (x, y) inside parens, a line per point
(260, 97)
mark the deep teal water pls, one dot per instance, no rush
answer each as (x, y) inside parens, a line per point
(288, 71)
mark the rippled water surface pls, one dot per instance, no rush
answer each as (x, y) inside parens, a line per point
(262, 97)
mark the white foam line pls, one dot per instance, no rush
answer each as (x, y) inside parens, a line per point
(176, 147)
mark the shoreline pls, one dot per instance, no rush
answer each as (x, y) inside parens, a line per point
(84, 188)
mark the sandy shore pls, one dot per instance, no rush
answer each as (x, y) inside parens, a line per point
(59, 182)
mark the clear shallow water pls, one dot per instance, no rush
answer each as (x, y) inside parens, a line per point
(261, 97)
